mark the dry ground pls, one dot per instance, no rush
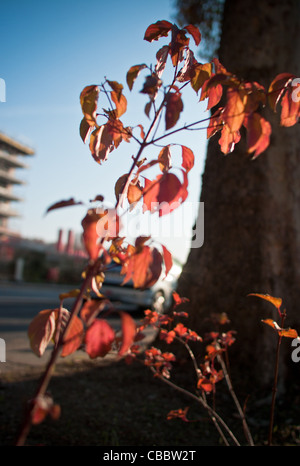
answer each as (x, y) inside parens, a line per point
(116, 404)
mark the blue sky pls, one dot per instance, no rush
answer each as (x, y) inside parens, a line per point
(49, 51)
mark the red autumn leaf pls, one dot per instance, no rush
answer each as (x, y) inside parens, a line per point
(41, 331)
(212, 93)
(234, 111)
(74, 335)
(143, 268)
(101, 143)
(89, 101)
(164, 194)
(174, 107)
(283, 332)
(187, 158)
(66, 203)
(164, 158)
(91, 309)
(99, 338)
(228, 139)
(157, 30)
(205, 384)
(180, 330)
(278, 87)
(167, 260)
(128, 332)
(133, 73)
(195, 33)
(258, 133)
(168, 337)
(90, 235)
(42, 406)
(178, 299)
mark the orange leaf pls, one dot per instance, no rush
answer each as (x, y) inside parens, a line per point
(164, 158)
(143, 268)
(228, 139)
(258, 133)
(178, 413)
(187, 158)
(234, 111)
(128, 332)
(120, 103)
(99, 338)
(167, 259)
(275, 301)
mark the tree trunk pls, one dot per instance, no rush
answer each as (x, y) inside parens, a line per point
(252, 207)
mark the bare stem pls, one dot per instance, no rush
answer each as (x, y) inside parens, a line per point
(236, 401)
(274, 390)
(44, 382)
(217, 420)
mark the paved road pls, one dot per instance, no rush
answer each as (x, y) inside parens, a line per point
(19, 303)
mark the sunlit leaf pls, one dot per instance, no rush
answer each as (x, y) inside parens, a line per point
(187, 158)
(128, 332)
(258, 133)
(275, 301)
(234, 111)
(228, 139)
(164, 158)
(167, 256)
(200, 74)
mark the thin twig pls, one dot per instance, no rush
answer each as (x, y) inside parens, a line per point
(214, 416)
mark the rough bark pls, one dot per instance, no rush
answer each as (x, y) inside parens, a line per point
(252, 207)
